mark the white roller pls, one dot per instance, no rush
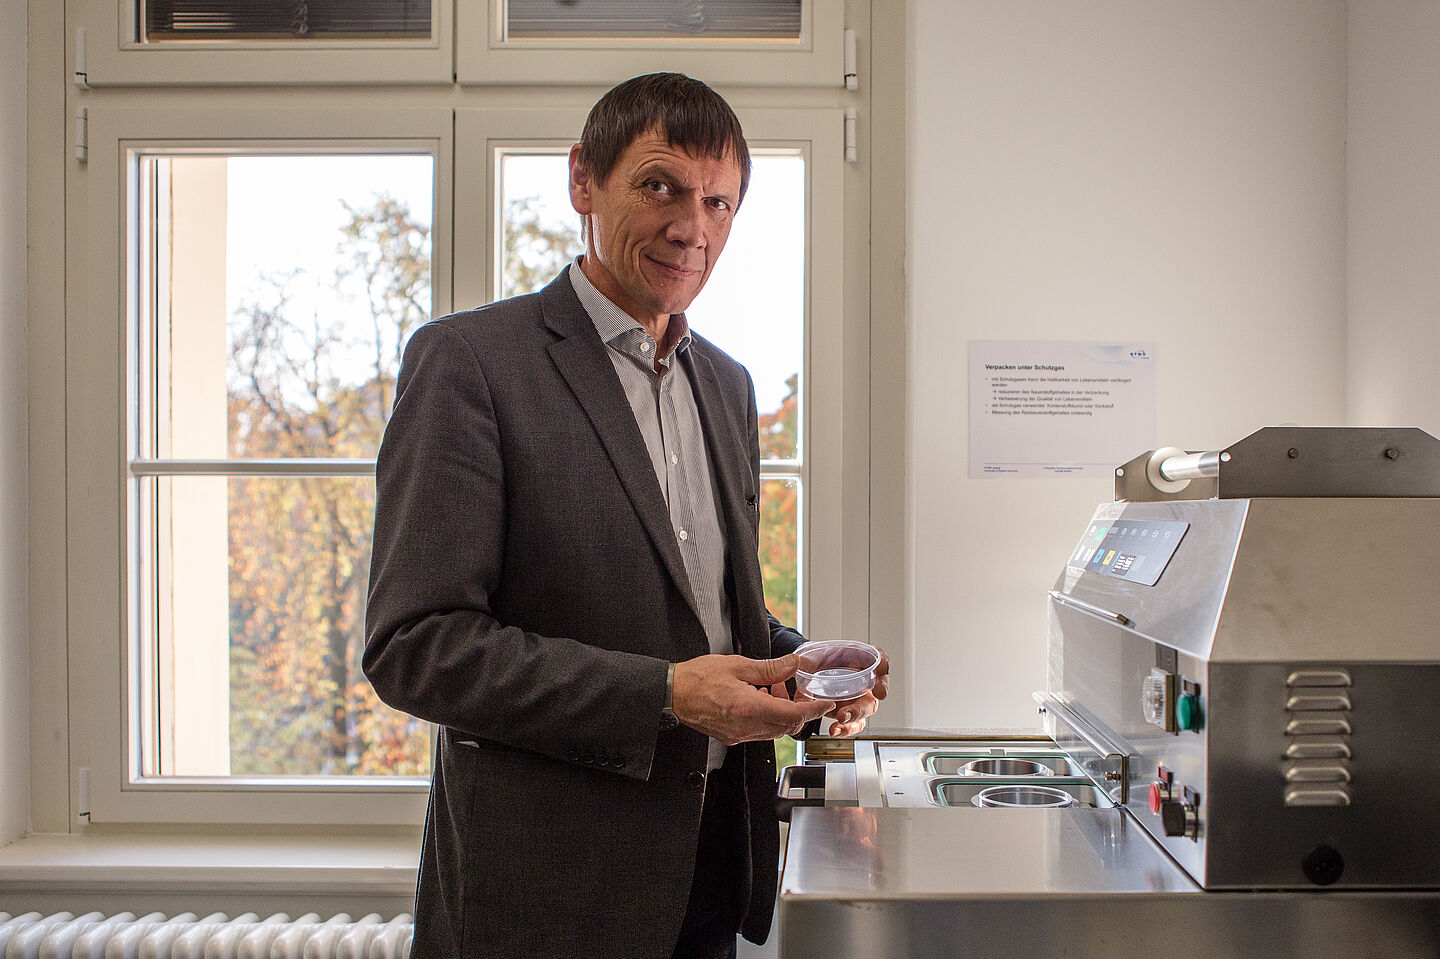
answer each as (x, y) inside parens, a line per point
(1154, 470)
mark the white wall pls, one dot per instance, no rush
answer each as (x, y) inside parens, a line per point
(1394, 214)
(14, 672)
(1117, 170)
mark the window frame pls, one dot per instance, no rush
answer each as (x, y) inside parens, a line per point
(99, 371)
(102, 370)
(484, 55)
(114, 55)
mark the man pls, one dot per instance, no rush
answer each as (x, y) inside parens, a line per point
(565, 579)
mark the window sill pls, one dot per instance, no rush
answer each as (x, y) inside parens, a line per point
(221, 863)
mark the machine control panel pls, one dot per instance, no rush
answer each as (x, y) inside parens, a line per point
(1134, 550)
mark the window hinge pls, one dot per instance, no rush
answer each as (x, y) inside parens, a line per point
(82, 812)
(82, 134)
(852, 76)
(82, 77)
(852, 150)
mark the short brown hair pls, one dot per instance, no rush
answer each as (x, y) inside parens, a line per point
(686, 112)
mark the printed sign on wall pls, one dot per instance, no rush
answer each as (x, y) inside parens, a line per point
(1048, 409)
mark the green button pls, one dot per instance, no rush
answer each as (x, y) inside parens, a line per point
(1187, 711)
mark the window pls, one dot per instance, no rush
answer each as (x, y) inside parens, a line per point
(243, 273)
(168, 21)
(277, 293)
(779, 42)
(271, 282)
(660, 19)
(258, 41)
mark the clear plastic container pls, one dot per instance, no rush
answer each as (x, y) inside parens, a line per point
(836, 669)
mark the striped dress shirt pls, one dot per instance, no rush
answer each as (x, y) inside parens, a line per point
(665, 411)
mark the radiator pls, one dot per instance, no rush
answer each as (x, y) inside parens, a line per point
(188, 936)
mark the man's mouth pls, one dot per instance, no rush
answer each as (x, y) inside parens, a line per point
(673, 269)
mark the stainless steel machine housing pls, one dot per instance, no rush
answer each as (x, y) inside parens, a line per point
(1249, 702)
(1291, 647)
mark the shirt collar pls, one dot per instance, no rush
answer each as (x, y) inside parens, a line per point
(613, 323)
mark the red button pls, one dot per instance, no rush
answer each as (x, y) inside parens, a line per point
(1156, 797)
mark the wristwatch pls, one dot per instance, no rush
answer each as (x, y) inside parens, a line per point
(667, 713)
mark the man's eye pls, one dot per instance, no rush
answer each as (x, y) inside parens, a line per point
(720, 203)
(658, 186)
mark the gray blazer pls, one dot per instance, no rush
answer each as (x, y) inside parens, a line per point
(526, 593)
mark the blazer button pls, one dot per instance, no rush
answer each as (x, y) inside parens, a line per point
(572, 754)
(695, 780)
(589, 759)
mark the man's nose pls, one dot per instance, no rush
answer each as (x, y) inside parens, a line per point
(687, 223)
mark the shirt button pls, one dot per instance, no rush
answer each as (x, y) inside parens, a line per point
(695, 780)
(674, 458)
(644, 347)
(684, 535)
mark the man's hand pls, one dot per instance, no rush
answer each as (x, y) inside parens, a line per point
(717, 695)
(850, 714)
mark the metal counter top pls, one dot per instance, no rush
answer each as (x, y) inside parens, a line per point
(860, 853)
(870, 883)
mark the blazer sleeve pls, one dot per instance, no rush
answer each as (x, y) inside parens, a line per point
(434, 647)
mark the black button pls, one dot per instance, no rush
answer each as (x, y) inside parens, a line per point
(695, 780)
(572, 754)
(668, 721)
(589, 759)
(618, 762)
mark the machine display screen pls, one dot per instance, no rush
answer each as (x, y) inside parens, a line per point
(1136, 551)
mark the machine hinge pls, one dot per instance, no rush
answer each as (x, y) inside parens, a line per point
(82, 78)
(82, 134)
(852, 61)
(852, 149)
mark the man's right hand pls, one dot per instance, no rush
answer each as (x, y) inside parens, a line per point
(718, 696)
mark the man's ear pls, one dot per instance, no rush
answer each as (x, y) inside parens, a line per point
(579, 183)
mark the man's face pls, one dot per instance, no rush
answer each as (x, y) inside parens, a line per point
(656, 226)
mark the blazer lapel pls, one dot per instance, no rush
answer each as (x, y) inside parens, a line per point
(581, 359)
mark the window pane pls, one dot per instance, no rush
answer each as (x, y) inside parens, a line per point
(292, 20)
(770, 19)
(285, 290)
(780, 548)
(540, 230)
(257, 627)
